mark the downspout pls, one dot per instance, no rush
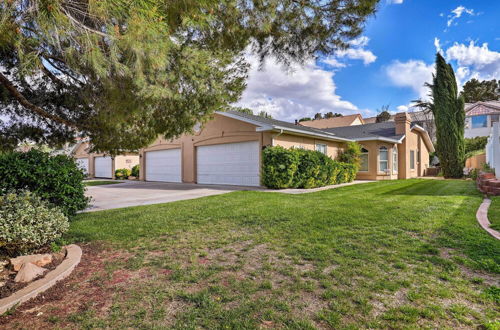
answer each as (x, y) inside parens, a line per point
(275, 136)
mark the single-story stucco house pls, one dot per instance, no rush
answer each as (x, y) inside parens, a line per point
(98, 165)
(227, 149)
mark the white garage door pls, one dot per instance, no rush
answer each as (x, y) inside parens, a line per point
(229, 163)
(83, 163)
(164, 165)
(103, 168)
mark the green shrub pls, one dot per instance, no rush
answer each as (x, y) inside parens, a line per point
(27, 222)
(122, 173)
(56, 179)
(351, 154)
(299, 168)
(136, 170)
(279, 167)
(476, 143)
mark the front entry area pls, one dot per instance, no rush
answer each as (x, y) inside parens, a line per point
(229, 164)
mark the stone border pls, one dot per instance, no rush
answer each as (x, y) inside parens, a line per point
(73, 256)
(482, 218)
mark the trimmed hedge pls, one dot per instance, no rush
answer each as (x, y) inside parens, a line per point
(299, 168)
(56, 179)
(122, 173)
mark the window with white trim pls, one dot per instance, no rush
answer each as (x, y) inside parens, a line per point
(412, 159)
(321, 148)
(395, 159)
(363, 160)
(383, 159)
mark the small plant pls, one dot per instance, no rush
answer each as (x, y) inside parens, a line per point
(27, 222)
(474, 173)
(122, 173)
(136, 170)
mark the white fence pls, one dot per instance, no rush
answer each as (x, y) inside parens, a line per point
(493, 149)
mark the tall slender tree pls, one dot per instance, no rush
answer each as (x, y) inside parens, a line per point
(448, 109)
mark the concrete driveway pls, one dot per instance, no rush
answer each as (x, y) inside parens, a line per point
(134, 193)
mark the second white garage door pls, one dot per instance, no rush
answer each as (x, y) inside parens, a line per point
(229, 163)
(103, 167)
(164, 165)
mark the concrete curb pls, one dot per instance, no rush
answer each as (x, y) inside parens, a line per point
(482, 218)
(73, 256)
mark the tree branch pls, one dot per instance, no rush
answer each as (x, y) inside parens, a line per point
(30, 106)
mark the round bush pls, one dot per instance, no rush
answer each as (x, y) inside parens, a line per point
(122, 173)
(135, 170)
(56, 179)
(27, 222)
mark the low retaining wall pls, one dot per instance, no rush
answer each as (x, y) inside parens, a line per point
(73, 256)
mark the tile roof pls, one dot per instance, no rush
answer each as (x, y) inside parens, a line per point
(332, 122)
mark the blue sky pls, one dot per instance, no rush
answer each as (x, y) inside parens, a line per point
(388, 64)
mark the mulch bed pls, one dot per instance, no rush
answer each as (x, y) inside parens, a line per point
(11, 286)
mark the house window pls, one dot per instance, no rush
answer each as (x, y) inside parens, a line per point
(395, 159)
(363, 166)
(321, 148)
(479, 121)
(383, 159)
(412, 159)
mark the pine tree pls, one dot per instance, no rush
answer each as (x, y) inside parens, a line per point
(123, 72)
(449, 114)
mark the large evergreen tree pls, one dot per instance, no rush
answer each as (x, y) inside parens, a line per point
(449, 115)
(486, 90)
(122, 72)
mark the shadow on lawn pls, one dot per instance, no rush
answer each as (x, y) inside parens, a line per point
(427, 187)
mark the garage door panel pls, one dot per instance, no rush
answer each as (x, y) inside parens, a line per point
(103, 167)
(230, 163)
(164, 165)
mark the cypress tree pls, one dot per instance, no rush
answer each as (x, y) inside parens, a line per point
(449, 116)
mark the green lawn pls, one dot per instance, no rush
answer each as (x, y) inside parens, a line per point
(393, 254)
(100, 183)
(494, 213)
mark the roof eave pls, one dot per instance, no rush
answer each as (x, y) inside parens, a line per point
(301, 133)
(380, 138)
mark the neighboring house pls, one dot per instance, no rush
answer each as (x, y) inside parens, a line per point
(227, 150)
(349, 120)
(480, 117)
(100, 165)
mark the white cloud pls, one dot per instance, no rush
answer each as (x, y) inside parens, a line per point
(474, 61)
(292, 94)
(437, 44)
(402, 108)
(457, 13)
(411, 74)
(395, 2)
(356, 51)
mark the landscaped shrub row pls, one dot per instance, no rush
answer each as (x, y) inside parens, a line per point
(299, 168)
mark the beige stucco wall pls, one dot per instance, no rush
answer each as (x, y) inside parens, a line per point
(126, 161)
(308, 143)
(413, 141)
(476, 161)
(217, 131)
